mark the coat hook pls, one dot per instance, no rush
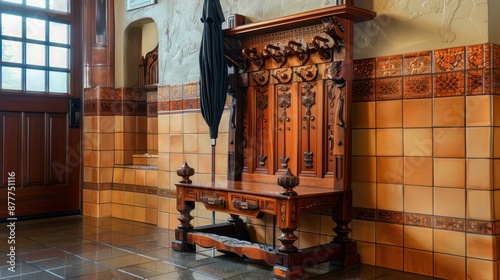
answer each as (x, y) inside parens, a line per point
(252, 55)
(295, 48)
(275, 53)
(322, 50)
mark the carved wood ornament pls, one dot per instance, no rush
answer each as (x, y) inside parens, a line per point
(297, 109)
(148, 69)
(290, 108)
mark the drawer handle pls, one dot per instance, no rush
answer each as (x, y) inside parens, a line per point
(243, 205)
(213, 201)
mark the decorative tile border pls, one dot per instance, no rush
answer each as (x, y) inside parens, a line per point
(470, 70)
(451, 59)
(135, 188)
(392, 217)
(418, 86)
(364, 69)
(418, 220)
(417, 63)
(389, 66)
(138, 102)
(389, 88)
(428, 221)
(363, 90)
(449, 84)
(448, 223)
(96, 186)
(167, 193)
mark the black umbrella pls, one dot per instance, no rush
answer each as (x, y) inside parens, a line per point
(213, 71)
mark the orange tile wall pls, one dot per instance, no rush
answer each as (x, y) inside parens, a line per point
(425, 164)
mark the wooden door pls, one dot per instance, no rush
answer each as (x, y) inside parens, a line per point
(40, 153)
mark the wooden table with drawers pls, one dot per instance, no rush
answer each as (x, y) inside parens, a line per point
(254, 199)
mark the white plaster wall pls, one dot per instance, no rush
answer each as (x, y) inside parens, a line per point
(180, 29)
(494, 22)
(149, 37)
(404, 26)
(401, 26)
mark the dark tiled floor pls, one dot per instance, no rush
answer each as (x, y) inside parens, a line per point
(108, 248)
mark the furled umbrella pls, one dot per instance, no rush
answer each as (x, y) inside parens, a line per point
(213, 71)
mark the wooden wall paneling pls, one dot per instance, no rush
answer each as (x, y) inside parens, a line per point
(329, 127)
(11, 145)
(35, 149)
(286, 127)
(57, 161)
(249, 131)
(263, 130)
(344, 150)
(311, 132)
(299, 44)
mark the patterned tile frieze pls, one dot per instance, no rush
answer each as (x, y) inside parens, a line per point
(496, 81)
(167, 193)
(480, 227)
(389, 66)
(364, 69)
(163, 107)
(418, 220)
(389, 88)
(152, 96)
(96, 186)
(447, 60)
(176, 105)
(449, 84)
(477, 57)
(363, 90)
(190, 90)
(90, 94)
(476, 82)
(191, 104)
(135, 188)
(106, 107)
(496, 56)
(392, 217)
(417, 86)
(447, 223)
(417, 63)
(428, 221)
(163, 92)
(176, 91)
(364, 213)
(90, 107)
(470, 70)
(152, 109)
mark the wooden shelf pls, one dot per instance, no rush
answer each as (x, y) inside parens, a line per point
(299, 20)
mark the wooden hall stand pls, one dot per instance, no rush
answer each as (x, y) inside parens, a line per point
(290, 114)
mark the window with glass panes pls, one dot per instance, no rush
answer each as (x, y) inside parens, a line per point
(36, 46)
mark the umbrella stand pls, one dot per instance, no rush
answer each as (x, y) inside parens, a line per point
(212, 142)
(213, 72)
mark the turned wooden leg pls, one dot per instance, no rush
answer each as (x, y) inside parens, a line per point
(185, 226)
(342, 230)
(286, 257)
(342, 217)
(287, 239)
(185, 217)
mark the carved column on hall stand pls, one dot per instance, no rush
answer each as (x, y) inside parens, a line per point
(184, 208)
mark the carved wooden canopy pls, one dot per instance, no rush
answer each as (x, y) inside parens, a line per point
(291, 96)
(148, 69)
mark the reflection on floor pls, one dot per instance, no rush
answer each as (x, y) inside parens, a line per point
(108, 248)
